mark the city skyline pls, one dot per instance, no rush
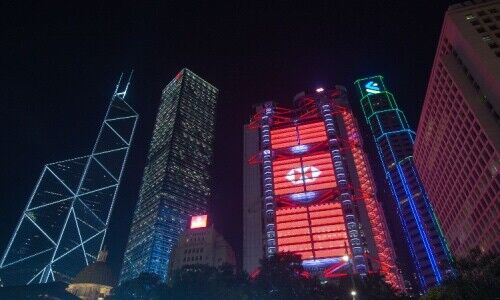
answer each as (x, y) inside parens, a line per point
(241, 83)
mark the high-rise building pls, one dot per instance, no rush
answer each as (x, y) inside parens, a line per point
(175, 184)
(201, 244)
(394, 141)
(65, 221)
(252, 202)
(458, 138)
(315, 188)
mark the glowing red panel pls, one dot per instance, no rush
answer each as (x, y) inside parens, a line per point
(326, 238)
(307, 173)
(198, 221)
(298, 135)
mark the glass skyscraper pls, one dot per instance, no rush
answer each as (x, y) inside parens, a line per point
(394, 141)
(176, 178)
(65, 221)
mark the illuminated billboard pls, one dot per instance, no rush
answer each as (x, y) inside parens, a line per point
(316, 231)
(303, 174)
(298, 135)
(198, 221)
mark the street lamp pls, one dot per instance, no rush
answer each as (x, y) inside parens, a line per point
(353, 294)
(345, 258)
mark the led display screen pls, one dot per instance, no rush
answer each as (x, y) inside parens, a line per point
(316, 231)
(198, 221)
(298, 135)
(303, 174)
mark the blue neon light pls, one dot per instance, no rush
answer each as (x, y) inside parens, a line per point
(315, 263)
(306, 197)
(404, 190)
(299, 149)
(372, 87)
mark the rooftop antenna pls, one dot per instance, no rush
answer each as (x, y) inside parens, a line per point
(121, 95)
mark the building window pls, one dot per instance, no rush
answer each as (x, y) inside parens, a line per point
(493, 27)
(493, 45)
(487, 20)
(475, 22)
(481, 13)
(480, 30)
(469, 17)
(486, 38)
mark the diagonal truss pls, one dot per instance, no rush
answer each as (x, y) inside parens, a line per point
(64, 223)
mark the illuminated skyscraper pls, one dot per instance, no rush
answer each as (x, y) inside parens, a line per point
(394, 140)
(65, 221)
(457, 149)
(317, 195)
(175, 184)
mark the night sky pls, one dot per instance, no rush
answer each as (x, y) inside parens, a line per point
(59, 65)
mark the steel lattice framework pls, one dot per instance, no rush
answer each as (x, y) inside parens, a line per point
(64, 223)
(323, 221)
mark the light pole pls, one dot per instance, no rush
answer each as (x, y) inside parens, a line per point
(348, 260)
(353, 294)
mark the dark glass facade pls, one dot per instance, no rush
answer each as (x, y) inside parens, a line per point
(176, 178)
(394, 141)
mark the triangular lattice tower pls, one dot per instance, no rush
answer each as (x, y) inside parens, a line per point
(62, 228)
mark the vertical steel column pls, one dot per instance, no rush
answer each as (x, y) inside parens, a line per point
(325, 108)
(267, 180)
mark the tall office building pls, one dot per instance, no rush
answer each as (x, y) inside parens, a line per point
(312, 192)
(394, 141)
(175, 184)
(458, 138)
(65, 221)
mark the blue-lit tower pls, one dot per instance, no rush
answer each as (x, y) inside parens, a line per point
(394, 141)
(65, 221)
(175, 184)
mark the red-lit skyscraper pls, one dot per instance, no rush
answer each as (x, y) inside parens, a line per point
(316, 195)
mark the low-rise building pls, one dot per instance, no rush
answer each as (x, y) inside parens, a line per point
(201, 244)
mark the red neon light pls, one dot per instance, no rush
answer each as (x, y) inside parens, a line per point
(307, 173)
(375, 214)
(298, 135)
(198, 221)
(327, 237)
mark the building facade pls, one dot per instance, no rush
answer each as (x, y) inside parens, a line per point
(176, 178)
(317, 195)
(394, 141)
(201, 244)
(458, 137)
(65, 221)
(252, 202)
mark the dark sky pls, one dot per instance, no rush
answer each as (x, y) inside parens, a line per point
(60, 62)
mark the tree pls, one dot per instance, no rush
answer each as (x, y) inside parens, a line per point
(478, 278)
(139, 288)
(205, 282)
(282, 276)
